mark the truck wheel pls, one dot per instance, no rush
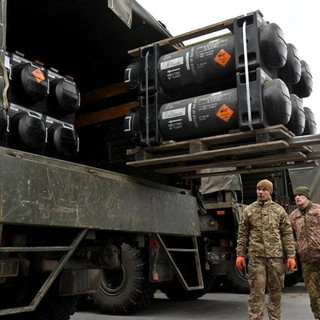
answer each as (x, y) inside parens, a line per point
(292, 279)
(55, 308)
(51, 307)
(176, 292)
(237, 278)
(126, 289)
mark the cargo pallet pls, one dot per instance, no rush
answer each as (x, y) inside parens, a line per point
(268, 149)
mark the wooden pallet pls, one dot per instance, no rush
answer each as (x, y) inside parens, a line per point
(267, 149)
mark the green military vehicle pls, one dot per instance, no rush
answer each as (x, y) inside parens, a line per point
(93, 208)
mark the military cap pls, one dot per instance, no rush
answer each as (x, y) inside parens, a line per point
(304, 191)
(266, 184)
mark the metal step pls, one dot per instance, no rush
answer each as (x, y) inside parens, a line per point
(177, 270)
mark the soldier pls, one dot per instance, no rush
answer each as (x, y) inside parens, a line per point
(265, 234)
(305, 222)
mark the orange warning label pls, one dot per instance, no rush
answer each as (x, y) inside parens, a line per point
(222, 57)
(37, 73)
(225, 113)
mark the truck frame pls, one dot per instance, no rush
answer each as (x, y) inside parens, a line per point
(67, 221)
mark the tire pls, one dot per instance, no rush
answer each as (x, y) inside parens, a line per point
(125, 290)
(85, 303)
(292, 279)
(237, 278)
(174, 291)
(50, 308)
(56, 308)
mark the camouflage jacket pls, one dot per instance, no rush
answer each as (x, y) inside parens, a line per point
(306, 229)
(265, 231)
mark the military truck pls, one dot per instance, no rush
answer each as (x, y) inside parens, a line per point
(64, 224)
(90, 206)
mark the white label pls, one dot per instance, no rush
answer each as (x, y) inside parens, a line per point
(173, 113)
(171, 63)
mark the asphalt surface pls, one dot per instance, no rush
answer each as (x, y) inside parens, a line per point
(217, 306)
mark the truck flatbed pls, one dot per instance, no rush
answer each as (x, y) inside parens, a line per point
(50, 192)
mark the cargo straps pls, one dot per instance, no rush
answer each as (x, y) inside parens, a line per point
(4, 80)
(246, 71)
(146, 70)
(174, 253)
(52, 276)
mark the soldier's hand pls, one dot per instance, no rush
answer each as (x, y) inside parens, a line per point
(240, 262)
(291, 263)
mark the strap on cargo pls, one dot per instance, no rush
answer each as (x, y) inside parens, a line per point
(4, 81)
(246, 72)
(4, 85)
(147, 98)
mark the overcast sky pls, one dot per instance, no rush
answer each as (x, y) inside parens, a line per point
(297, 19)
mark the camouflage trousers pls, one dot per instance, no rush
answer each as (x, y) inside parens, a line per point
(262, 273)
(311, 276)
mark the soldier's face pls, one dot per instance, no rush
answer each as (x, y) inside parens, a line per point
(301, 200)
(263, 194)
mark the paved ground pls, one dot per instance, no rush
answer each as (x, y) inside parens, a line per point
(217, 306)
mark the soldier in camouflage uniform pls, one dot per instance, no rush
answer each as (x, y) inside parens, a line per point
(265, 235)
(305, 222)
